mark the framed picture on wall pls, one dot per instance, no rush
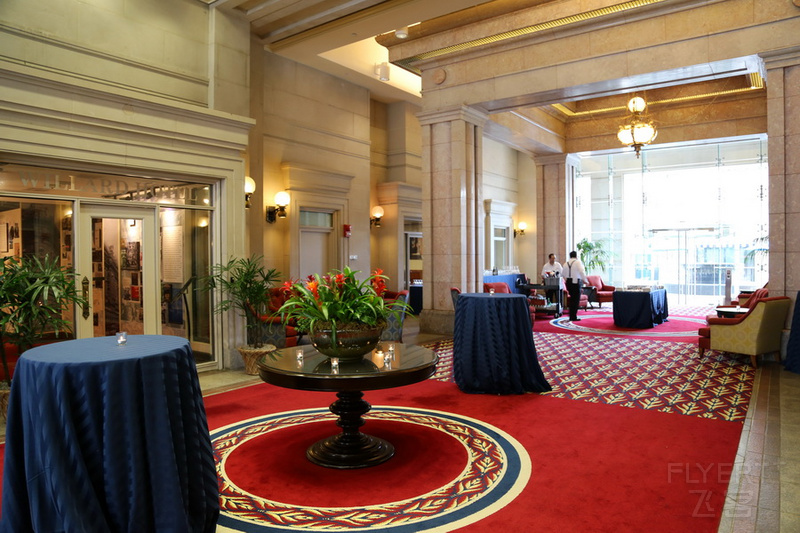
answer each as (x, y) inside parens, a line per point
(132, 258)
(415, 248)
(3, 237)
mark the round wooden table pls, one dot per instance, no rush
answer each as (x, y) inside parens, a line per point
(350, 448)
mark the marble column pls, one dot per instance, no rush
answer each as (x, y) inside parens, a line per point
(783, 130)
(452, 211)
(554, 218)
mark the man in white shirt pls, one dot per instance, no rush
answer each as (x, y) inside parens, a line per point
(575, 276)
(551, 267)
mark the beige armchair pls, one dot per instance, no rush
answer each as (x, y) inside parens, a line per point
(756, 333)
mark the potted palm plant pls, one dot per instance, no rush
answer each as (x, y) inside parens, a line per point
(593, 255)
(244, 284)
(35, 295)
(343, 316)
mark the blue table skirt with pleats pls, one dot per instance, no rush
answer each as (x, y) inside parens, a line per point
(107, 438)
(493, 349)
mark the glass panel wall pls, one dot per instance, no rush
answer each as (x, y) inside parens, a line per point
(41, 228)
(681, 217)
(34, 224)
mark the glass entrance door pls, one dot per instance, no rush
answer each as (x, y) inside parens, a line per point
(117, 261)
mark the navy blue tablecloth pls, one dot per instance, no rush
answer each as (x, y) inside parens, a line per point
(640, 310)
(106, 438)
(493, 350)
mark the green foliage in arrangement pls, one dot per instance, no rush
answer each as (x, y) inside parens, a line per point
(337, 298)
(244, 284)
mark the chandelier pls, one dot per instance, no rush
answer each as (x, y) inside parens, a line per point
(638, 130)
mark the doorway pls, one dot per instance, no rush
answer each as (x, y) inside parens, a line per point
(139, 269)
(318, 250)
(116, 256)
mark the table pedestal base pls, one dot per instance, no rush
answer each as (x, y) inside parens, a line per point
(350, 448)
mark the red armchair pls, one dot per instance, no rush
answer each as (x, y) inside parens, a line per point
(394, 324)
(278, 334)
(501, 287)
(750, 303)
(454, 292)
(602, 292)
(584, 300)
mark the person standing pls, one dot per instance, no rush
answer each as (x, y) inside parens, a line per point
(552, 269)
(575, 275)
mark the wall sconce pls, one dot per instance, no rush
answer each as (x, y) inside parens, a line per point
(279, 209)
(382, 71)
(377, 214)
(249, 189)
(521, 231)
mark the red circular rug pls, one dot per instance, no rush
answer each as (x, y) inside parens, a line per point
(255, 465)
(677, 328)
(448, 470)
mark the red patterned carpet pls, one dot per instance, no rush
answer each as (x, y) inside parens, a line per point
(682, 325)
(641, 373)
(470, 462)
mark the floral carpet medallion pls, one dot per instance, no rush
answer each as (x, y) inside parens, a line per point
(641, 373)
(496, 471)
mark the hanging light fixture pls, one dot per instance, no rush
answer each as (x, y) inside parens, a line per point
(638, 130)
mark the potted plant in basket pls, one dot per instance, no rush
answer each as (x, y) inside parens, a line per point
(34, 297)
(244, 284)
(343, 316)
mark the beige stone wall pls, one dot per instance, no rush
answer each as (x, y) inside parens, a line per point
(499, 172)
(313, 140)
(124, 87)
(154, 48)
(396, 158)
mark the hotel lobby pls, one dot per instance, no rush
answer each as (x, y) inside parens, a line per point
(434, 141)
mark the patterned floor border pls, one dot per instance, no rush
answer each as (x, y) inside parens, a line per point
(496, 471)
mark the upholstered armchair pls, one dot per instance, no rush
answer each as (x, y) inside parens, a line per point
(583, 302)
(394, 324)
(454, 292)
(278, 334)
(756, 333)
(501, 287)
(602, 292)
(750, 302)
(744, 296)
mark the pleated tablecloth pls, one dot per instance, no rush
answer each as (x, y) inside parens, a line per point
(104, 438)
(493, 350)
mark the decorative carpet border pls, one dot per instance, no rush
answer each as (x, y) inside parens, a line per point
(497, 470)
(565, 323)
(669, 377)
